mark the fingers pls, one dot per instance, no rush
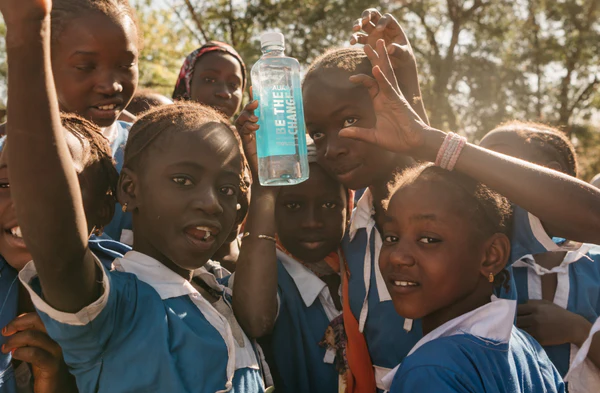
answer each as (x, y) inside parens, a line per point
(367, 21)
(526, 309)
(24, 322)
(32, 338)
(366, 81)
(38, 358)
(246, 123)
(359, 38)
(360, 134)
(525, 322)
(382, 69)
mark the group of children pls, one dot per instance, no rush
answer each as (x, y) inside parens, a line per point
(462, 267)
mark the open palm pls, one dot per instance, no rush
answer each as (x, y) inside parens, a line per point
(398, 127)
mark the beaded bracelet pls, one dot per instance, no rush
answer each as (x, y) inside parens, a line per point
(262, 237)
(450, 151)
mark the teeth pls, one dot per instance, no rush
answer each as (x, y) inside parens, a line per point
(16, 232)
(205, 229)
(405, 284)
(107, 107)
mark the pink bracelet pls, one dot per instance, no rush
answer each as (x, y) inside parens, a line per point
(450, 151)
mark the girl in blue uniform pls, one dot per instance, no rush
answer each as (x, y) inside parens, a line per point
(333, 104)
(24, 338)
(445, 246)
(291, 290)
(558, 292)
(181, 177)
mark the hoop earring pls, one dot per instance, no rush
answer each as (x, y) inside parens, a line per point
(99, 231)
(491, 277)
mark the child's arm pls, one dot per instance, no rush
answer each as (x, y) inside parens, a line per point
(402, 57)
(43, 180)
(255, 283)
(550, 324)
(568, 207)
(30, 343)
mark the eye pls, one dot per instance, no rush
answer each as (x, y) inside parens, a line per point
(390, 239)
(209, 80)
(234, 86)
(182, 181)
(292, 205)
(5, 185)
(128, 66)
(86, 67)
(350, 121)
(228, 190)
(329, 205)
(428, 240)
(317, 135)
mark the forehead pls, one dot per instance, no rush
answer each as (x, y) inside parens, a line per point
(218, 61)
(96, 32)
(327, 91)
(210, 146)
(510, 143)
(318, 185)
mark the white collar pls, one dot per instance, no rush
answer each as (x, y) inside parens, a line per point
(492, 321)
(308, 284)
(165, 282)
(570, 257)
(362, 214)
(111, 132)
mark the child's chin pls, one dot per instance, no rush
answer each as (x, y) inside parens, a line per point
(410, 312)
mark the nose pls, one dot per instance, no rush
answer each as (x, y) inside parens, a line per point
(335, 148)
(401, 255)
(312, 219)
(109, 85)
(222, 91)
(208, 201)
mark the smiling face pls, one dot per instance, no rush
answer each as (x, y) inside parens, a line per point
(95, 66)
(431, 257)
(311, 216)
(183, 193)
(331, 103)
(217, 82)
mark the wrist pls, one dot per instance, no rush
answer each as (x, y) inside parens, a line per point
(432, 142)
(25, 33)
(258, 191)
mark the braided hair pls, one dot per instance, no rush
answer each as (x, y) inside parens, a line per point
(350, 60)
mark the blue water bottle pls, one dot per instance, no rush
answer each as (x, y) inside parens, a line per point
(281, 139)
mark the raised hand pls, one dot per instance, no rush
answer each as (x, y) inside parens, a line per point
(17, 12)
(372, 27)
(398, 126)
(29, 342)
(246, 125)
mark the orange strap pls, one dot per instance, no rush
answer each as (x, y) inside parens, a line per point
(360, 377)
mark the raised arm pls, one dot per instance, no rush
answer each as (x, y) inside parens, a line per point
(539, 190)
(255, 283)
(43, 180)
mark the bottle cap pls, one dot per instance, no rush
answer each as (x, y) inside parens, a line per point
(269, 39)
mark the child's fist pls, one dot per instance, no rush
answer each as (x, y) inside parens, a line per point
(247, 125)
(16, 12)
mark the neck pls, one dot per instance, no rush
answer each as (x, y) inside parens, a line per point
(25, 304)
(152, 252)
(470, 302)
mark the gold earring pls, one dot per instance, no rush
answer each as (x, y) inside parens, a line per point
(124, 207)
(99, 231)
(491, 277)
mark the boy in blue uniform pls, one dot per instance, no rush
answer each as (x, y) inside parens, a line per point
(558, 292)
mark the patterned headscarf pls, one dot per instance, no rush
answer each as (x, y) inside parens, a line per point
(184, 81)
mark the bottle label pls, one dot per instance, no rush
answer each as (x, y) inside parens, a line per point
(278, 122)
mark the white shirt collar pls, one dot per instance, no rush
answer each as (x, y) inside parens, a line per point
(493, 321)
(309, 285)
(166, 282)
(570, 257)
(362, 214)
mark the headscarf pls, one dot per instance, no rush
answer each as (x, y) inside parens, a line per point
(184, 81)
(333, 259)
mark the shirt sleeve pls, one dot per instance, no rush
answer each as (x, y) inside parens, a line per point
(84, 335)
(431, 378)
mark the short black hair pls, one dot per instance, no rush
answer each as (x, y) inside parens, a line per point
(350, 60)
(179, 117)
(488, 211)
(546, 143)
(64, 11)
(144, 100)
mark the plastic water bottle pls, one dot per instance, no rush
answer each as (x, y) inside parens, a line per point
(281, 139)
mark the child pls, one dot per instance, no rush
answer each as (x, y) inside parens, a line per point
(213, 75)
(98, 179)
(445, 243)
(332, 106)
(558, 292)
(146, 99)
(181, 177)
(292, 291)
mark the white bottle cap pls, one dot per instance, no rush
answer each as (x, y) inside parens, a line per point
(272, 39)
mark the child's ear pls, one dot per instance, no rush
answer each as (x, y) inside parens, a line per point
(497, 252)
(127, 189)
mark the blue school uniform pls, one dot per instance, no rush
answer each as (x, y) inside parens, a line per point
(305, 310)
(477, 352)
(150, 330)
(120, 228)
(578, 291)
(389, 336)
(9, 295)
